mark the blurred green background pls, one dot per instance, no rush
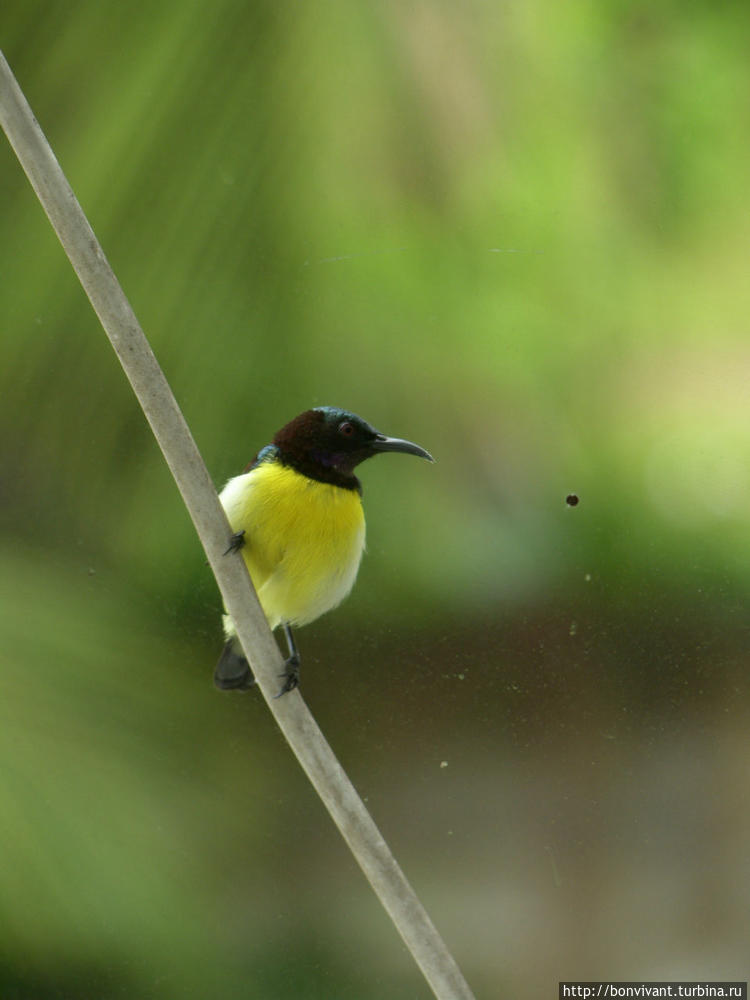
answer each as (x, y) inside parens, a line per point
(515, 233)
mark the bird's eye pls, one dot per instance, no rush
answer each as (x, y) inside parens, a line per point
(346, 429)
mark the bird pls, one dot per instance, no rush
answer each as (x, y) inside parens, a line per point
(296, 516)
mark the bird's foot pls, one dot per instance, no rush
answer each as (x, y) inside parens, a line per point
(236, 542)
(290, 675)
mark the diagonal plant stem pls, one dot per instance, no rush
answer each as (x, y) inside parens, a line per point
(198, 493)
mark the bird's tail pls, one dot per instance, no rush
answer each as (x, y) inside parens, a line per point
(233, 672)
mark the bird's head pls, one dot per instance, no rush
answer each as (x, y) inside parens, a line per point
(328, 443)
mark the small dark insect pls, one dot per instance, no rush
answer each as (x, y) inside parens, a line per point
(571, 500)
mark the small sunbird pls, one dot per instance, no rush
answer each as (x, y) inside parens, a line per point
(296, 513)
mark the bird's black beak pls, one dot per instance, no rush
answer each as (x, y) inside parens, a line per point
(383, 443)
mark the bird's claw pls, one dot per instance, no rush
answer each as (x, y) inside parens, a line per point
(290, 675)
(236, 542)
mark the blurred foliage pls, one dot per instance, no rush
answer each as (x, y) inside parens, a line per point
(515, 233)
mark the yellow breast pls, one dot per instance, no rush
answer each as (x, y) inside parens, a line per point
(303, 540)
